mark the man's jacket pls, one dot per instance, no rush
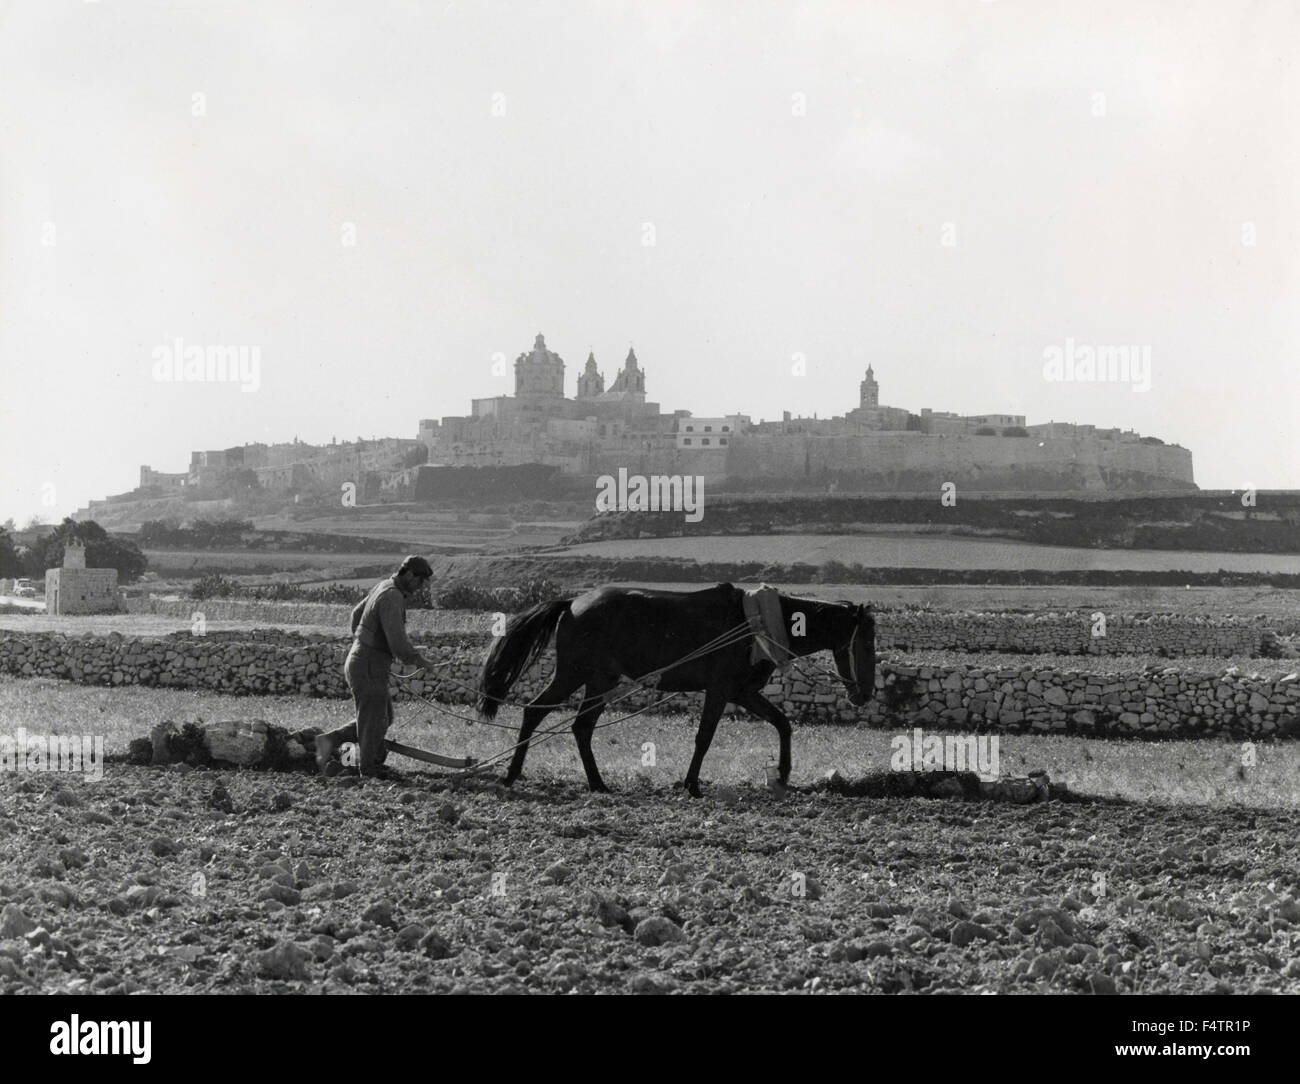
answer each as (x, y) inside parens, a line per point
(379, 622)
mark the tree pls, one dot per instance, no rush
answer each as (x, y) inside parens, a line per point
(159, 532)
(11, 565)
(102, 551)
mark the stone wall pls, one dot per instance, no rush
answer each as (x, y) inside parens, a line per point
(888, 460)
(1157, 703)
(1171, 635)
(294, 613)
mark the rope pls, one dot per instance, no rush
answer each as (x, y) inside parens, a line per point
(732, 636)
(543, 734)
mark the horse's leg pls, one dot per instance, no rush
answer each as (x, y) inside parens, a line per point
(765, 709)
(584, 724)
(714, 702)
(538, 708)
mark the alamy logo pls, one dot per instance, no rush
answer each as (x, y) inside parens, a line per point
(1100, 364)
(77, 1036)
(178, 363)
(658, 493)
(53, 753)
(923, 752)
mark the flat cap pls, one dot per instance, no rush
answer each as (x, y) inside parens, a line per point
(418, 565)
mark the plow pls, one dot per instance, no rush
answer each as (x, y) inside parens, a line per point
(411, 751)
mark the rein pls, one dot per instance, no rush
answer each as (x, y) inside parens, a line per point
(732, 636)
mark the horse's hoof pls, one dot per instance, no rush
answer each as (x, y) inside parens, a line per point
(506, 780)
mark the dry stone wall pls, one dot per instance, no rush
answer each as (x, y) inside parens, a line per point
(1172, 635)
(292, 613)
(1157, 703)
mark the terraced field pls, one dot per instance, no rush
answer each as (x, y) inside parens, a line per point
(892, 550)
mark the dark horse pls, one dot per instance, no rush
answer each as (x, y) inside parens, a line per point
(614, 632)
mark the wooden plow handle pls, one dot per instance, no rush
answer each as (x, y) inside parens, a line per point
(430, 758)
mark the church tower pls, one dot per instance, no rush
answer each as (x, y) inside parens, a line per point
(590, 382)
(630, 382)
(869, 391)
(539, 374)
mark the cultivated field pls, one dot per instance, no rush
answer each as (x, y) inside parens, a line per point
(199, 562)
(1173, 869)
(1176, 872)
(1266, 601)
(891, 550)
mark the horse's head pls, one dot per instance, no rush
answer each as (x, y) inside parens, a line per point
(855, 658)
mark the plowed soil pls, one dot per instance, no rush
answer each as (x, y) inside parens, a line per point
(170, 880)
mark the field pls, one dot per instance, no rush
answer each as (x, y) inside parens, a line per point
(1047, 598)
(244, 562)
(1170, 867)
(157, 880)
(892, 550)
(419, 527)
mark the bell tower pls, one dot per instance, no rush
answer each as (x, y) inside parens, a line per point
(869, 391)
(630, 382)
(590, 383)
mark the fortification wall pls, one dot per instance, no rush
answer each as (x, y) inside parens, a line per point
(1033, 696)
(914, 460)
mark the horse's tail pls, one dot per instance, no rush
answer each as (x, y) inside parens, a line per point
(870, 629)
(525, 638)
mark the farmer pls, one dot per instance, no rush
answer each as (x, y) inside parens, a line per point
(379, 636)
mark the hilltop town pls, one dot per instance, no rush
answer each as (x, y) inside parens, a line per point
(870, 448)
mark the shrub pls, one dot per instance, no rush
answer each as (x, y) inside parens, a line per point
(214, 585)
(335, 593)
(466, 595)
(834, 572)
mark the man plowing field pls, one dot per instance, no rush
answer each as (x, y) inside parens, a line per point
(378, 637)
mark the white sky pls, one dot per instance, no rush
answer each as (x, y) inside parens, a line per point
(774, 234)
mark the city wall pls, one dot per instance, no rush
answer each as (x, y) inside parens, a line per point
(891, 459)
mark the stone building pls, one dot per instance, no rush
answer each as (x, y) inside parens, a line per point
(76, 589)
(156, 479)
(539, 424)
(870, 448)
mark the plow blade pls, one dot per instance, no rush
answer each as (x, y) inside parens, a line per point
(428, 758)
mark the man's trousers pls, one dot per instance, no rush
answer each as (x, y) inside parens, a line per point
(366, 671)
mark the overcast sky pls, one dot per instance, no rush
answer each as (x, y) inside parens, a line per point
(381, 197)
